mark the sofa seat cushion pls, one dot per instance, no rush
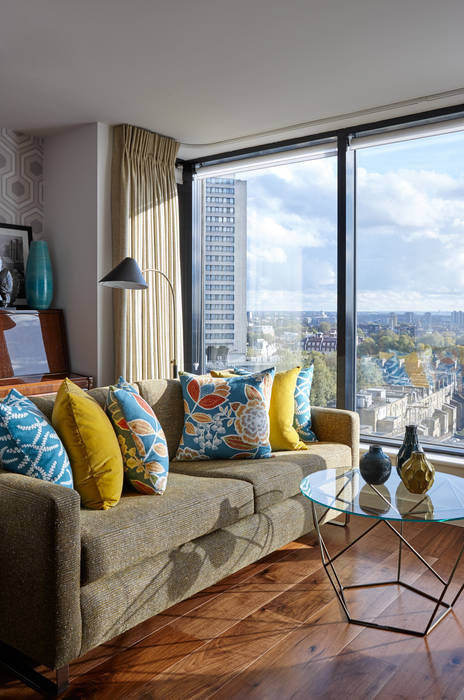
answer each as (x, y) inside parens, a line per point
(275, 479)
(141, 526)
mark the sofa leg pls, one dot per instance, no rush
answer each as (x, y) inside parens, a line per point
(62, 679)
(20, 666)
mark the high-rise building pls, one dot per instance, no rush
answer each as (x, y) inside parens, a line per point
(224, 268)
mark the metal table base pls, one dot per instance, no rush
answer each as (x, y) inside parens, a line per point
(339, 588)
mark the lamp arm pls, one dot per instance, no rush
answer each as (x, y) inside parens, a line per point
(173, 296)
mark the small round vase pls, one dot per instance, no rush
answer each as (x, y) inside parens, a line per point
(39, 276)
(410, 444)
(375, 465)
(417, 473)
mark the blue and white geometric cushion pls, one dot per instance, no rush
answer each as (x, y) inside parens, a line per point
(302, 415)
(28, 443)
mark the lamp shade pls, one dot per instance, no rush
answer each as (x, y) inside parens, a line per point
(126, 275)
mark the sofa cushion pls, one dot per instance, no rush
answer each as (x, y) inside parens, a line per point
(275, 479)
(283, 435)
(28, 443)
(141, 439)
(92, 446)
(225, 418)
(165, 398)
(142, 526)
(302, 416)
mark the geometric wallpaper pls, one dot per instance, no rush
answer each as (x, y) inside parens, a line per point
(21, 180)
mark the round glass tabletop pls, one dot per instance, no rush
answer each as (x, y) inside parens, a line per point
(345, 490)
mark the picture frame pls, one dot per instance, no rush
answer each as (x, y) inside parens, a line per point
(14, 250)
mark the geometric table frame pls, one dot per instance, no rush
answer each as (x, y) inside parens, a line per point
(339, 588)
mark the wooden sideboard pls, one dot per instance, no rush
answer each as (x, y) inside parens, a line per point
(34, 352)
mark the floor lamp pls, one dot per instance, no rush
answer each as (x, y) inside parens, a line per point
(128, 275)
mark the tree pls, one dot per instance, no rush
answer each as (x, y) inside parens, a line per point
(367, 347)
(368, 373)
(435, 340)
(324, 387)
(324, 327)
(388, 341)
(406, 344)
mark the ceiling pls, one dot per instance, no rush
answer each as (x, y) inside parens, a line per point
(206, 71)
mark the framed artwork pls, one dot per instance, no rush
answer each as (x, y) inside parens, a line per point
(14, 249)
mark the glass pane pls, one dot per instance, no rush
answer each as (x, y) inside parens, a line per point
(410, 282)
(269, 270)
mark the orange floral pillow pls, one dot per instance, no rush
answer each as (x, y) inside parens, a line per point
(225, 417)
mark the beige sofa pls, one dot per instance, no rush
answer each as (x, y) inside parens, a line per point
(72, 578)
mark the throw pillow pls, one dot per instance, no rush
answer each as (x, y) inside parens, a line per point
(281, 411)
(302, 418)
(91, 445)
(141, 438)
(225, 418)
(224, 373)
(268, 379)
(28, 443)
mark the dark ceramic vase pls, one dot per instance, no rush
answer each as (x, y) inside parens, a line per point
(375, 465)
(410, 444)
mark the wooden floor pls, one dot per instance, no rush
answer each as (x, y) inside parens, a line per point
(275, 631)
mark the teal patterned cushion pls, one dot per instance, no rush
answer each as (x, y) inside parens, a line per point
(302, 416)
(141, 439)
(225, 418)
(28, 443)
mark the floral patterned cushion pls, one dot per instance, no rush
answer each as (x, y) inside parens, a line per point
(141, 438)
(225, 418)
(302, 415)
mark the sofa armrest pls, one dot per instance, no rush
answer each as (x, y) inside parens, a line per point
(40, 569)
(337, 425)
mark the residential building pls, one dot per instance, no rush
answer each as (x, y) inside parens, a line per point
(224, 269)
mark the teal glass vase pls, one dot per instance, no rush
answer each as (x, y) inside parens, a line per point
(39, 276)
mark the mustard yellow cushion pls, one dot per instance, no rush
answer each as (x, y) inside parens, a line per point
(92, 447)
(223, 373)
(283, 435)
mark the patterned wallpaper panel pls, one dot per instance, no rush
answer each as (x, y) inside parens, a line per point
(21, 180)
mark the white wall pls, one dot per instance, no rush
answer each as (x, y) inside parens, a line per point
(77, 227)
(105, 344)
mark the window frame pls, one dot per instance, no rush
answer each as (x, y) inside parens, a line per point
(346, 246)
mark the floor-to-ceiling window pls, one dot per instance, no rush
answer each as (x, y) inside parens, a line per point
(410, 287)
(270, 269)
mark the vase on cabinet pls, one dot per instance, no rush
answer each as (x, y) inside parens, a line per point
(410, 444)
(39, 276)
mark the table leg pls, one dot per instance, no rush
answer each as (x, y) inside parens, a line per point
(339, 588)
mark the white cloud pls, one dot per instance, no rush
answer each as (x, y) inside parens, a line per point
(285, 229)
(270, 255)
(411, 204)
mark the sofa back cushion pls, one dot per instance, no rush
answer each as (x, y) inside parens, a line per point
(165, 398)
(163, 395)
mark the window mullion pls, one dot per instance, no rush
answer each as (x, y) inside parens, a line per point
(346, 283)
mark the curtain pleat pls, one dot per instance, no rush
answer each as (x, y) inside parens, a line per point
(145, 220)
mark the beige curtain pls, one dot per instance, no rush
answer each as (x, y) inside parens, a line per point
(145, 220)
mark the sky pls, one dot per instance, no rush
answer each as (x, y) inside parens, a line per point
(410, 230)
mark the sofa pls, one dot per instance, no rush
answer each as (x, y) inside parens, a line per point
(72, 579)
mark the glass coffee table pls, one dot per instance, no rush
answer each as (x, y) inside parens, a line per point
(346, 491)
